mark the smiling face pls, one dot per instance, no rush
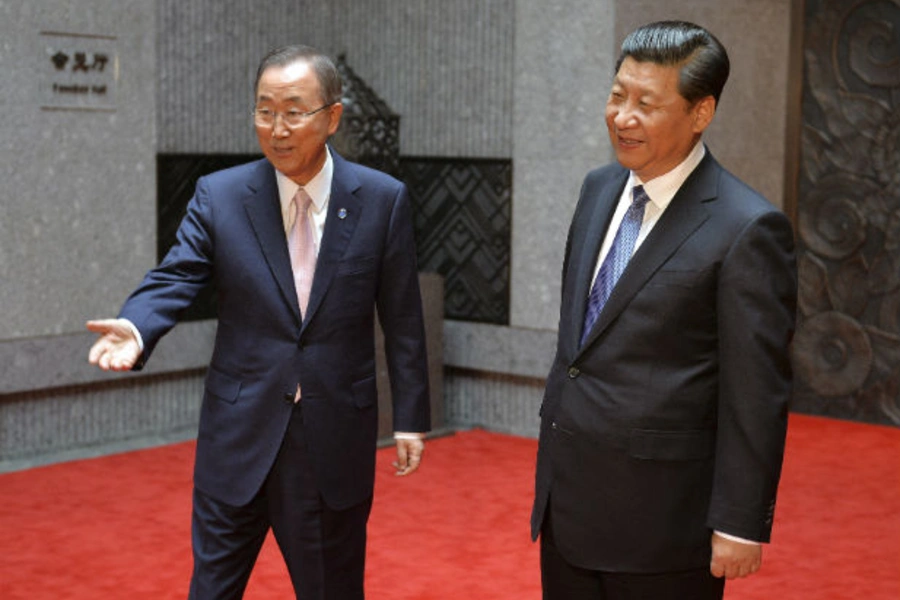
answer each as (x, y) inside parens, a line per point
(651, 126)
(298, 152)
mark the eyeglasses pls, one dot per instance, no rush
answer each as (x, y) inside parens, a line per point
(265, 117)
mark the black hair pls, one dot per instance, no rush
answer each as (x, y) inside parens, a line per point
(702, 58)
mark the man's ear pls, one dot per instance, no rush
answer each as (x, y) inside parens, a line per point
(704, 111)
(335, 111)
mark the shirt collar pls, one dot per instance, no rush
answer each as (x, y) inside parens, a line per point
(662, 189)
(318, 188)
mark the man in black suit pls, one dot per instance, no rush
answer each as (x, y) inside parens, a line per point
(303, 247)
(665, 410)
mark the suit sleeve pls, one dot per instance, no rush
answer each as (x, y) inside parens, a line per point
(399, 306)
(166, 291)
(756, 308)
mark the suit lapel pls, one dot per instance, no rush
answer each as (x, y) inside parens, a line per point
(344, 210)
(684, 215)
(263, 208)
(588, 236)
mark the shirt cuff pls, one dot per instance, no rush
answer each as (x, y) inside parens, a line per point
(134, 330)
(735, 538)
(408, 435)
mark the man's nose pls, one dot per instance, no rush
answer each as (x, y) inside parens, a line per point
(624, 117)
(279, 129)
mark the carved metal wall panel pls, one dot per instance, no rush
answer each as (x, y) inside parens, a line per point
(847, 346)
(370, 131)
(462, 221)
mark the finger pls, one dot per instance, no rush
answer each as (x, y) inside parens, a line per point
(752, 568)
(413, 462)
(402, 462)
(96, 352)
(101, 325)
(402, 470)
(739, 569)
(123, 358)
(102, 354)
(107, 328)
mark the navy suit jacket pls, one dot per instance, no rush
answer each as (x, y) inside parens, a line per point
(233, 233)
(670, 421)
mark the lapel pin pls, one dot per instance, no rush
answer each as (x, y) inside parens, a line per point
(342, 213)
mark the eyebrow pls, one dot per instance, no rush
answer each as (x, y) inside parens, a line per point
(639, 93)
(292, 99)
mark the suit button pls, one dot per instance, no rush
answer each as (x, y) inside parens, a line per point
(288, 398)
(574, 372)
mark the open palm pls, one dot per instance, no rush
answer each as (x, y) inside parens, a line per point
(117, 349)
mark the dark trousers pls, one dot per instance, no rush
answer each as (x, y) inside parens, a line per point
(324, 550)
(563, 581)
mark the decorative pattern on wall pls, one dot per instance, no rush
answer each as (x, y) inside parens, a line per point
(462, 220)
(461, 214)
(370, 131)
(847, 347)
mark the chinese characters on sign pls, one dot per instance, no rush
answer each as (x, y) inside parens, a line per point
(78, 71)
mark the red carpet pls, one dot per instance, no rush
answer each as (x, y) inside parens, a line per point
(118, 527)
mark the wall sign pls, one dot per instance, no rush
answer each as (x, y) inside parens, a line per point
(78, 72)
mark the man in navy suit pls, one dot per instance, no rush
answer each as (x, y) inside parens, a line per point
(288, 422)
(665, 411)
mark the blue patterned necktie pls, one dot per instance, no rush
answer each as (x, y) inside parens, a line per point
(616, 259)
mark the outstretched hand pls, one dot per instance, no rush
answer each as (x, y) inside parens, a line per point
(117, 349)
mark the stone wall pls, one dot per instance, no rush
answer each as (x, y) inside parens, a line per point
(517, 80)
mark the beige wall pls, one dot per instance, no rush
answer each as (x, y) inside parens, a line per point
(77, 207)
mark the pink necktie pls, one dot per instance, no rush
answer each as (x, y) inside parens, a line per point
(302, 246)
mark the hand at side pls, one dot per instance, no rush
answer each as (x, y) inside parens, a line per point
(731, 559)
(409, 455)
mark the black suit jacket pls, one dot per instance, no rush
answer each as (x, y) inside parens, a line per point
(234, 233)
(670, 421)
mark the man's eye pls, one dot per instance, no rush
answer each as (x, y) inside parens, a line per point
(292, 113)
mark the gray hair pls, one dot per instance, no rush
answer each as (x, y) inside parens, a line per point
(327, 74)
